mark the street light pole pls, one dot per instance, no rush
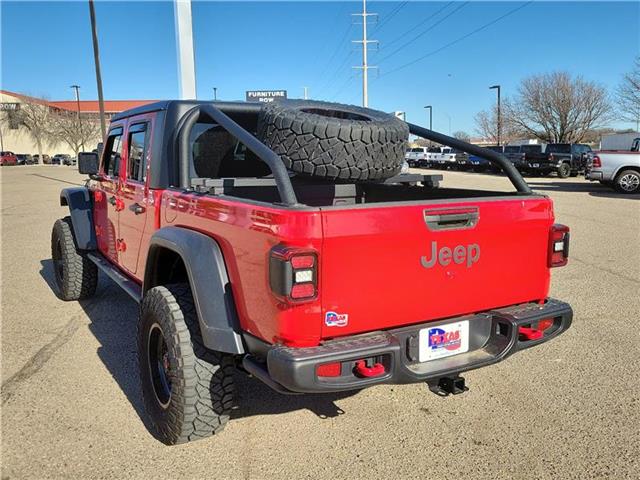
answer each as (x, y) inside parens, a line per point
(77, 89)
(499, 119)
(215, 93)
(430, 116)
(96, 60)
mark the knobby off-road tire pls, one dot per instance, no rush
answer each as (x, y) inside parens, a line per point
(76, 276)
(334, 141)
(188, 390)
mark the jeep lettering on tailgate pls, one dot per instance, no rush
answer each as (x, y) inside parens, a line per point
(459, 254)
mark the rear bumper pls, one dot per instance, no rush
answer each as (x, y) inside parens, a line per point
(537, 167)
(594, 175)
(493, 336)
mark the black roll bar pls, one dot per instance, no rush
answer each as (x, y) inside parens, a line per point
(495, 158)
(264, 153)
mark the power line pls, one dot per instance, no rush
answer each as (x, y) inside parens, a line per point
(457, 40)
(395, 40)
(460, 7)
(333, 77)
(336, 50)
(342, 87)
(391, 14)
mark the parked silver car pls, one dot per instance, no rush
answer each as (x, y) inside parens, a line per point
(617, 168)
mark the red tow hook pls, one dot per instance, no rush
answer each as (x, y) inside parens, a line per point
(362, 370)
(530, 333)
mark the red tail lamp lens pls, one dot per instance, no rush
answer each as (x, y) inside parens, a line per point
(293, 273)
(303, 290)
(329, 370)
(303, 261)
(558, 246)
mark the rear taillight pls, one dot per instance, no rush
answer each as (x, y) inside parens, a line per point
(558, 255)
(596, 163)
(293, 273)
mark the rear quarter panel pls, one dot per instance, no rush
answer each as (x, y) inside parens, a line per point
(246, 233)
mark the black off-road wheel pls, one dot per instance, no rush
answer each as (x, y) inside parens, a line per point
(76, 276)
(188, 389)
(564, 170)
(334, 141)
(628, 181)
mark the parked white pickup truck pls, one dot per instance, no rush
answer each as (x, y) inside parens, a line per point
(617, 168)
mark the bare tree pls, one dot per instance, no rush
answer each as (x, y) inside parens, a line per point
(558, 108)
(76, 132)
(627, 95)
(487, 126)
(460, 135)
(35, 116)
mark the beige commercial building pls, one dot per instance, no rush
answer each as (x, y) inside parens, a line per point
(15, 138)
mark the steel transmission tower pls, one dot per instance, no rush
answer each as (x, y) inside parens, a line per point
(365, 43)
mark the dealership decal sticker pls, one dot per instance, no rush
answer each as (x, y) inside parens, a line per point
(333, 319)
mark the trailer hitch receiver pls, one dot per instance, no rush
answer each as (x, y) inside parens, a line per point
(446, 386)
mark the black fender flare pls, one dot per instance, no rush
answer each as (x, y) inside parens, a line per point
(78, 199)
(210, 285)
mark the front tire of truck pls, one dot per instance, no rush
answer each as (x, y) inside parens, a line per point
(76, 275)
(188, 389)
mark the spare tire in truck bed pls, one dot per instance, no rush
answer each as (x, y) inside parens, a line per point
(334, 141)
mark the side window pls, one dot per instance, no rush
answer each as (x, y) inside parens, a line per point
(137, 154)
(113, 152)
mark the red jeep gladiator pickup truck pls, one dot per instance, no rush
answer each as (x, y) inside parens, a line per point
(281, 240)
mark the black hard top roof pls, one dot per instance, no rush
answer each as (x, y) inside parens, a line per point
(167, 104)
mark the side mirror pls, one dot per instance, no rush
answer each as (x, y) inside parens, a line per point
(88, 163)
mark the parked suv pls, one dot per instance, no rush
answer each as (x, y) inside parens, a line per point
(289, 257)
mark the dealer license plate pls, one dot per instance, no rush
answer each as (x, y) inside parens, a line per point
(443, 341)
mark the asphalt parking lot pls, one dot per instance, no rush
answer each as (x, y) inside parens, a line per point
(71, 405)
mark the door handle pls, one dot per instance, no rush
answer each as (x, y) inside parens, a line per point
(451, 219)
(137, 208)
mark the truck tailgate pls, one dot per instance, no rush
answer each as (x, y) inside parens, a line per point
(378, 268)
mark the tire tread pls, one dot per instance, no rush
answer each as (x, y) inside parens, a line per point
(202, 386)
